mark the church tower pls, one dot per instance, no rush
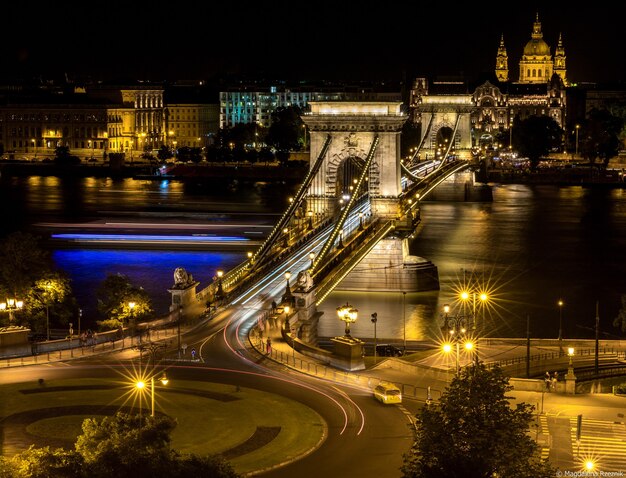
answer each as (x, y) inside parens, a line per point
(559, 61)
(536, 65)
(502, 62)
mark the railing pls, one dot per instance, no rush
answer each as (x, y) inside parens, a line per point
(316, 369)
(105, 343)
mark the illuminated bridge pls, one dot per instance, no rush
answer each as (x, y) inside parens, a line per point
(350, 222)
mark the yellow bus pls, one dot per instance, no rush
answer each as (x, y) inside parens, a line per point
(387, 392)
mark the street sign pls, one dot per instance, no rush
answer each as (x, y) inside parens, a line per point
(184, 347)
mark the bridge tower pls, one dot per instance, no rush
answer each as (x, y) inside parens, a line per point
(352, 127)
(445, 118)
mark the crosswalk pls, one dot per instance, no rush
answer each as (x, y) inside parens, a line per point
(601, 442)
(543, 425)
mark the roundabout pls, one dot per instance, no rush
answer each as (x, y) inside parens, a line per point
(250, 428)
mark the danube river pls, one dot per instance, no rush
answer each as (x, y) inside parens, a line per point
(530, 247)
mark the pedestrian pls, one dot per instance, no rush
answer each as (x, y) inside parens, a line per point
(274, 305)
(555, 378)
(548, 381)
(268, 345)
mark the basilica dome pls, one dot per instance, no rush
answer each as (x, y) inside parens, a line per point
(536, 47)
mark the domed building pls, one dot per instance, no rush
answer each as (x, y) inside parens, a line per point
(537, 64)
(488, 108)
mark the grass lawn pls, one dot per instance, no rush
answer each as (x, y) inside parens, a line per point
(253, 429)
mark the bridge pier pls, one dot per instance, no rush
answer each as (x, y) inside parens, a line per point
(390, 267)
(461, 187)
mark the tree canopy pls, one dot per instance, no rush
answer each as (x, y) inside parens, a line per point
(27, 273)
(474, 432)
(536, 136)
(115, 296)
(600, 136)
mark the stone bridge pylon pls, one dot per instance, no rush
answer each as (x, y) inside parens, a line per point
(353, 128)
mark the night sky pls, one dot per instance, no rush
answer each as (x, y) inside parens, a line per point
(293, 40)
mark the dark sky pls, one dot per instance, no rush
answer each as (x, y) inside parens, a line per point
(300, 40)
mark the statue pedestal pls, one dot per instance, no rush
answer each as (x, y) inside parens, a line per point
(14, 341)
(348, 353)
(570, 382)
(182, 296)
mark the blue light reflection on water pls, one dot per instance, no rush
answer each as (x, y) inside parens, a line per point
(152, 270)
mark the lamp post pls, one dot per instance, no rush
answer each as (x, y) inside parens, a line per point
(34, 146)
(374, 320)
(141, 385)
(131, 319)
(311, 258)
(180, 317)
(9, 306)
(347, 314)
(404, 318)
(70, 340)
(482, 296)
(577, 128)
(310, 216)
(287, 297)
(560, 304)
(360, 221)
(454, 328)
(287, 310)
(220, 286)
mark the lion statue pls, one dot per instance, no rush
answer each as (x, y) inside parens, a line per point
(304, 281)
(181, 278)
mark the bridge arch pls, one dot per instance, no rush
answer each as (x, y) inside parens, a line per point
(353, 127)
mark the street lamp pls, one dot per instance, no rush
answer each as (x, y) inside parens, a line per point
(287, 310)
(285, 237)
(482, 296)
(70, 340)
(287, 297)
(360, 220)
(131, 306)
(311, 258)
(374, 320)
(404, 319)
(348, 314)
(220, 286)
(141, 385)
(9, 306)
(577, 128)
(560, 304)
(34, 146)
(454, 328)
(310, 215)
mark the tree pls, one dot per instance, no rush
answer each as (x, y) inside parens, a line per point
(536, 136)
(620, 320)
(124, 446)
(600, 136)
(164, 153)
(473, 432)
(114, 297)
(286, 129)
(50, 297)
(25, 267)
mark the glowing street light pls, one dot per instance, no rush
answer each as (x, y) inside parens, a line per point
(141, 385)
(11, 305)
(287, 297)
(348, 314)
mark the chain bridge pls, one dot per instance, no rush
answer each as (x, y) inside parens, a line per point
(350, 222)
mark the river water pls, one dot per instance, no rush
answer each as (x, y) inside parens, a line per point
(530, 247)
